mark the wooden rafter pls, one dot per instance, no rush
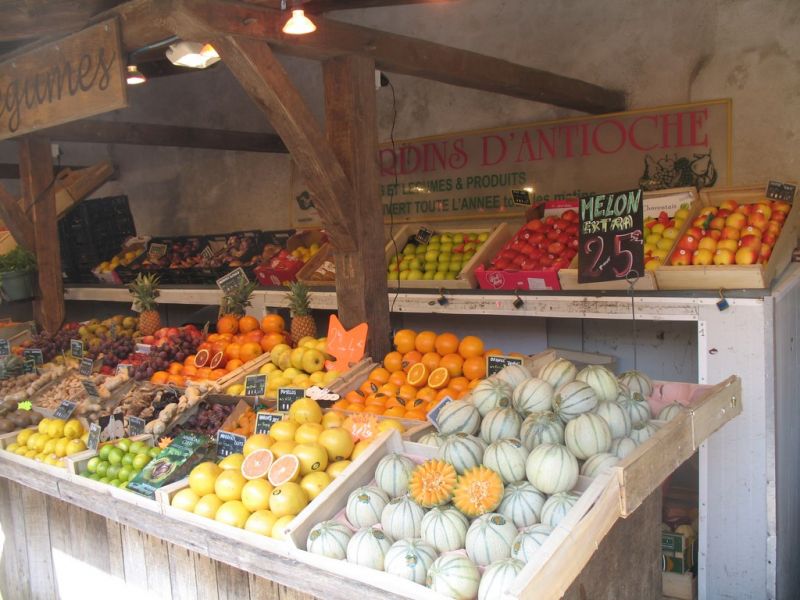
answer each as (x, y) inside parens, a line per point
(27, 19)
(16, 220)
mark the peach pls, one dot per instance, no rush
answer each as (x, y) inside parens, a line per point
(731, 233)
(736, 220)
(758, 219)
(751, 241)
(702, 257)
(681, 258)
(707, 243)
(746, 256)
(723, 257)
(717, 223)
(764, 209)
(751, 230)
(730, 205)
(731, 245)
(764, 253)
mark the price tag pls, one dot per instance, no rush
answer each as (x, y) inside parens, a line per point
(5, 348)
(29, 366)
(207, 252)
(424, 235)
(143, 348)
(135, 426)
(255, 385)
(521, 197)
(90, 388)
(320, 394)
(35, 354)
(156, 251)
(433, 414)
(64, 410)
(229, 443)
(495, 364)
(288, 396)
(3, 374)
(94, 436)
(112, 426)
(777, 190)
(87, 366)
(124, 368)
(265, 420)
(232, 281)
(76, 348)
(610, 239)
(345, 345)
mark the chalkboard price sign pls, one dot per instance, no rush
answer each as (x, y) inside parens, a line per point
(5, 349)
(76, 348)
(64, 410)
(35, 354)
(495, 364)
(232, 281)
(29, 366)
(521, 197)
(90, 388)
(777, 190)
(229, 443)
(424, 235)
(86, 367)
(135, 426)
(611, 244)
(433, 414)
(143, 348)
(265, 421)
(94, 436)
(255, 385)
(156, 251)
(288, 396)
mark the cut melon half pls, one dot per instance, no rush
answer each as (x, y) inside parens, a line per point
(257, 464)
(283, 470)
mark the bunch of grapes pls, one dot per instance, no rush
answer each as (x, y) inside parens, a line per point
(50, 344)
(207, 420)
(176, 349)
(113, 350)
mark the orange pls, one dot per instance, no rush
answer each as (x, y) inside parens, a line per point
(189, 371)
(233, 364)
(354, 397)
(254, 336)
(228, 324)
(493, 352)
(176, 380)
(458, 383)
(473, 383)
(411, 358)
(270, 340)
(393, 362)
(439, 378)
(471, 346)
(395, 401)
(203, 372)
(446, 343)
(356, 407)
(189, 360)
(272, 324)
(175, 368)
(395, 411)
(448, 391)
(216, 374)
(340, 404)
(397, 378)
(247, 324)
(379, 375)
(250, 350)
(431, 360)
(226, 337)
(474, 367)
(416, 414)
(425, 341)
(160, 377)
(407, 392)
(368, 387)
(374, 399)
(453, 363)
(389, 389)
(232, 351)
(416, 404)
(375, 409)
(426, 394)
(404, 340)
(417, 375)
(461, 394)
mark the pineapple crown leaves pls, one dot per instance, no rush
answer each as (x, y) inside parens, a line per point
(144, 290)
(299, 298)
(235, 301)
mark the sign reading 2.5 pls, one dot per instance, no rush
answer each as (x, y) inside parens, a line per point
(610, 236)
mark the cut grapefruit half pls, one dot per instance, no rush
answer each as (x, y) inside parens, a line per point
(438, 378)
(201, 358)
(257, 464)
(283, 470)
(417, 375)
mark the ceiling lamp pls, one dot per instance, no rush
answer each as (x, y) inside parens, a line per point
(193, 55)
(298, 23)
(134, 76)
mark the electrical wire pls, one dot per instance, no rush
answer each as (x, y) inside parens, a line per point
(391, 196)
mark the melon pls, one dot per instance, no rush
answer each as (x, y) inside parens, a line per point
(507, 459)
(444, 528)
(500, 424)
(458, 416)
(522, 503)
(498, 577)
(368, 548)
(365, 505)
(532, 395)
(621, 447)
(574, 399)
(558, 372)
(638, 412)
(556, 507)
(587, 435)
(410, 559)
(643, 432)
(552, 468)
(392, 474)
(329, 538)
(639, 384)
(513, 375)
(489, 538)
(598, 463)
(479, 491)
(432, 483)
(541, 428)
(491, 393)
(528, 541)
(617, 419)
(432, 439)
(402, 518)
(671, 411)
(601, 380)
(462, 451)
(454, 576)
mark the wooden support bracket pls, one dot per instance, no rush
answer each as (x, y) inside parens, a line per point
(16, 220)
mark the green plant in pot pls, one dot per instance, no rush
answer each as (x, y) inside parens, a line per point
(17, 269)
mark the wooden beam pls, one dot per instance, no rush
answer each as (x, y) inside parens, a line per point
(23, 19)
(351, 119)
(142, 22)
(36, 166)
(16, 220)
(320, 6)
(406, 55)
(147, 134)
(11, 170)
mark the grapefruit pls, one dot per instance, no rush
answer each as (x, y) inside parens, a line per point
(232, 461)
(228, 485)
(279, 449)
(306, 410)
(308, 433)
(278, 530)
(256, 465)
(283, 470)
(287, 499)
(186, 500)
(255, 494)
(283, 431)
(207, 506)
(314, 483)
(261, 522)
(337, 442)
(202, 478)
(335, 468)
(258, 441)
(232, 513)
(312, 457)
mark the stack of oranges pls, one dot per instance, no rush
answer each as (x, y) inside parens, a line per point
(236, 342)
(423, 368)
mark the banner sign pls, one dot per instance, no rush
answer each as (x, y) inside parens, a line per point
(473, 174)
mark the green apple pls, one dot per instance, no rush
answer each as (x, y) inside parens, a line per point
(422, 249)
(452, 275)
(446, 247)
(393, 268)
(431, 266)
(313, 361)
(394, 260)
(297, 357)
(443, 258)
(469, 247)
(454, 266)
(440, 275)
(415, 274)
(285, 360)
(404, 274)
(458, 238)
(482, 237)
(415, 265)
(446, 238)
(431, 255)
(435, 239)
(291, 372)
(467, 256)
(428, 275)
(409, 249)
(317, 377)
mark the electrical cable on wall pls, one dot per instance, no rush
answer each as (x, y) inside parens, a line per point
(384, 82)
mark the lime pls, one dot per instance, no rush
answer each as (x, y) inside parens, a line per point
(124, 444)
(86, 473)
(154, 452)
(123, 485)
(94, 476)
(104, 480)
(115, 456)
(127, 459)
(124, 473)
(133, 475)
(91, 466)
(113, 471)
(140, 461)
(138, 447)
(114, 482)
(103, 454)
(102, 468)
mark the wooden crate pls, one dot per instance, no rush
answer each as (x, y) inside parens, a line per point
(682, 587)
(239, 373)
(498, 235)
(77, 462)
(718, 277)
(654, 202)
(7, 439)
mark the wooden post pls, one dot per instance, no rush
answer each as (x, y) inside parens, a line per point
(16, 220)
(36, 173)
(352, 130)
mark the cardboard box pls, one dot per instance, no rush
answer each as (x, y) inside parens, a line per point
(677, 553)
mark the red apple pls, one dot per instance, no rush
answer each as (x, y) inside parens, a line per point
(699, 222)
(730, 205)
(736, 220)
(731, 233)
(689, 242)
(508, 255)
(561, 263)
(769, 239)
(527, 249)
(707, 243)
(778, 216)
(745, 209)
(751, 230)
(570, 215)
(763, 208)
(723, 257)
(502, 264)
(518, 260)
(750, 241)
(714, 234)
(545, 261)
(572, 229)
(537, 238)
(562, 224)
(573, 243)
(731, 245)
(528, 264)
(535, 225)
(717, 223)
(702, 257)
(549, 221)
(764, 253)
(780, 206)
(724, 213)
(555, 248)
(681, 258)
(774, 228)
(758, 219)
(553, 234)
(746, 256)
(695, 231)
(564, 238)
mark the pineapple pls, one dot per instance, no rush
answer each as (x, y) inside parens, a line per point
(302, 322)
(144, 290)
(237, 300)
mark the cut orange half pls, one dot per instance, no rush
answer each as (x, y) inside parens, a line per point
(283, 470)
(439, 378)
(257, 464)
(417, 375)
(201, 358)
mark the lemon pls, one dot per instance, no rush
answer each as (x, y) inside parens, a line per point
(255, 494)
(314, 483)
(207, 506)
(21, 451)
(232, 513)
(22, 436)
(261, 522)
(202, 478)
(73, 430)
(12, 447)
(256, 442)
(50, 446)
(279, 527)
(287, 499)
(32, 439)
(267, 369)
(44, 424)
(237, 389)
(335, 468)
(283, 431)
(74, 446)
(278, 449)
(40, 442)
(56, 428)
(306, 410)
(61, 447)
(185, 499)
(228, 486)
(232, 461)
(308, 433)
(30, 453)
(312, 457)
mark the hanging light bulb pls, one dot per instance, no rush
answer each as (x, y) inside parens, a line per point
(193, 55)
(298, 23)
(134, 76)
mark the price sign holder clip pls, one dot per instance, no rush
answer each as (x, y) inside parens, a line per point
(441, 300)
(723, 302)
(518, 302)
(632, 277)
